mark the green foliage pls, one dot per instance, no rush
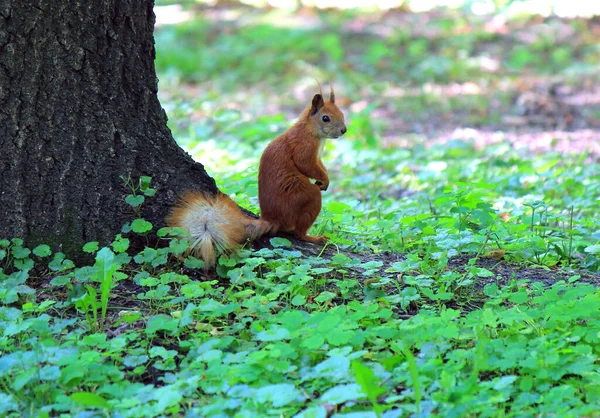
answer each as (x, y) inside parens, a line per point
(105, 270)
(241, 347)
(370, 386)
(135, 199)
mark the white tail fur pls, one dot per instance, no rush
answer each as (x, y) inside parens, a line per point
(216, 224)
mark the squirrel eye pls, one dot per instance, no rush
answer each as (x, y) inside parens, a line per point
(326, 118)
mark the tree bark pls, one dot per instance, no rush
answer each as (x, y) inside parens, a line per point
(79, 109)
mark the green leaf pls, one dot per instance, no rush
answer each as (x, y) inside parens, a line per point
(211, 356)
(335, 368)
(341, 260)
(325, 297)
(519, 297)
(105, 269)
(161, 322)
(42, 250)
(338, 208)
(93, 340)
(72, 373)
(141, 226)
(23, 378)
(90, 400)
(150, 192)
(163, 232)
(20, 252)
(8, 404)
(298, 300)
(60, 280)
(134, 361)
(592, 249)
(24, 264)
(526, 383)
(369, 384)
(278, 395)
(313, 412)
(126, 228)
(105, 265)
(49, 373)
(483, 272)
(343, 393)
(158, 351)
(145, 182)
(273, 334)
(129, 318)
(313, 342)
(504, 381)
(193, 262)
(120, 244)
(91, 247)
(178, 246)
(321, 270)
(194, 290)
(227, 261)
(328, 322)
(413, 369)
(134, 201)
(293, 319)
(338, 336)
(146, 256)
(279, 242)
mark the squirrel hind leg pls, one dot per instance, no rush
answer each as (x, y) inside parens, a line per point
(304, 222)
(258, 227)
(315, 239)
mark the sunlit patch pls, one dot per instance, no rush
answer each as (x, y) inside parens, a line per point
(171, 14)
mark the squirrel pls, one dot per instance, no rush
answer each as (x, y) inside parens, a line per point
(289, 201)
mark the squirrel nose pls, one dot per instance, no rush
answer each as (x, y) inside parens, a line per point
(343, 130)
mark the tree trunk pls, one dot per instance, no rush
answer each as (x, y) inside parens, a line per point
(79, 109)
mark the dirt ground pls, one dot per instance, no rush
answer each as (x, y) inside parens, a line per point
(540, 116)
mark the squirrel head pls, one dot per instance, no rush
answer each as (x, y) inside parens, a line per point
(326, 119)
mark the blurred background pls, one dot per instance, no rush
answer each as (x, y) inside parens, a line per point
(406, 71)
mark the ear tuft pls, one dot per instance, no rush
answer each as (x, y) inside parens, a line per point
(317, 104)
(331, 94)
(319, 84)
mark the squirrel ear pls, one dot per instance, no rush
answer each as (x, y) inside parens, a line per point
(331, 94)
(317, 104)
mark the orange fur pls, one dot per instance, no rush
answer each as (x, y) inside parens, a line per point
(287, 197)
(289, 201)
(215, 223)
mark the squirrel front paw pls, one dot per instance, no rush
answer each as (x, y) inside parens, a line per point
(322, 185)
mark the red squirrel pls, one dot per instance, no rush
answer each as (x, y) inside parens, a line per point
(289, 201)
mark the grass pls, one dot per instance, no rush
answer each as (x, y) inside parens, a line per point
(460, 279)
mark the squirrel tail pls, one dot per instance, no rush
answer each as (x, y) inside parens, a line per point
(215, 223)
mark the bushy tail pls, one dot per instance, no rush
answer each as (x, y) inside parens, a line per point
(215, 223)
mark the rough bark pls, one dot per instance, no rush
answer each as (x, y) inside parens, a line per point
(79, 109)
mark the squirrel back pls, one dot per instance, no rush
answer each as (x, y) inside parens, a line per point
(289, 200)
